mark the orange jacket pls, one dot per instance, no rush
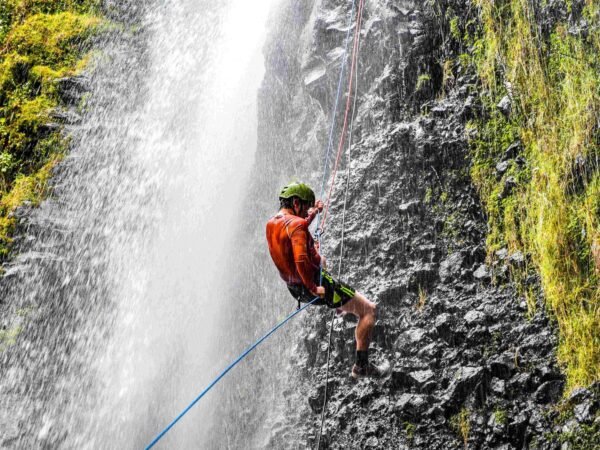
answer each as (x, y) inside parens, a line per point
(293, 249)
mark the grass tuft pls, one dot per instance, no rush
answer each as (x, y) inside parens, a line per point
(552, 211)
(461, 424)
(422, 299)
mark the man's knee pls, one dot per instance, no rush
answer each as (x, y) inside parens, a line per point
(370, 311)
(361, 307)
(373, 310)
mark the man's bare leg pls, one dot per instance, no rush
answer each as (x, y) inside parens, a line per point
(366, 311)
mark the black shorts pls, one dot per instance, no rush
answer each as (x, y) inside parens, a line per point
(336, 293)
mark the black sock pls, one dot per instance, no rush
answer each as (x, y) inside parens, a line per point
(362, 358)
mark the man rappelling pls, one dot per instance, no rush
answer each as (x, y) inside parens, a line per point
(300, 265)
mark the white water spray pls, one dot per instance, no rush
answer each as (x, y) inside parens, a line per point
(150, 192)
(200, 123)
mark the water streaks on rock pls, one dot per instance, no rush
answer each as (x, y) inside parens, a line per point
(459, 346)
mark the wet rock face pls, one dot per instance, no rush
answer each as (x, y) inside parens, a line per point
(462, 354)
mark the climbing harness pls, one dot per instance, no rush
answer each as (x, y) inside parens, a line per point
(320, 228)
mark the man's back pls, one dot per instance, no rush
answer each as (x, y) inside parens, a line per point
(292, 250)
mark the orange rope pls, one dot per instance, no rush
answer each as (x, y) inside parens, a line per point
(346, 113)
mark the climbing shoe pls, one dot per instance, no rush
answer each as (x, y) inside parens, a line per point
(370, 370)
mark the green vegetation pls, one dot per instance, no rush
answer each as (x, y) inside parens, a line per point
(40, 42)
(583, 437)
(546, 204)
(423, 81)
(454, 29)
(530, 300)
(587, 437)
(422, 298)
(9, 337)
(409, 429)
(24, 312)
(461, 424)
(500, 416)
(579, 436)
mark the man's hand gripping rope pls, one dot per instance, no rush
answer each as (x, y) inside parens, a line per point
(312, 213)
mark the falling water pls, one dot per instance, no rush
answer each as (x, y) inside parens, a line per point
(118, 289)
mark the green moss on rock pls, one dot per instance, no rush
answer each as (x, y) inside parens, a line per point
(51, 39)
(26, 188)
(546, 205)
(9, 337)
(40, 41)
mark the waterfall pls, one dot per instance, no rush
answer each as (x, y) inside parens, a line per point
(118, 290)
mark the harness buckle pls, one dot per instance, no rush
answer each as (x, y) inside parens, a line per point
(318, 233)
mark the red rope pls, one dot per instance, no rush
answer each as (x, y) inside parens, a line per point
(346, 113)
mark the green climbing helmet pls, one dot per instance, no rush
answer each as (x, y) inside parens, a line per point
(300, 190)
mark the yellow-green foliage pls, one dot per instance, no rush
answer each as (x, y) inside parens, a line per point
(26, 188)
(461, 424)
(500, 416)
(50, 39)
(15, 11)
(553, 214)
(422, 81)
(40, 41)
(9, 337)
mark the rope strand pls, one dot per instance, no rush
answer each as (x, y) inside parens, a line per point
(346, 113)
(333, 118)
(227, 369)
(341, 254)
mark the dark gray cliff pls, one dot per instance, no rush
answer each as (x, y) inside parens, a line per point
(468, 368)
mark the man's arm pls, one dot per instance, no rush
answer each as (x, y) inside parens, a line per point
(302, 257)
(312, 212)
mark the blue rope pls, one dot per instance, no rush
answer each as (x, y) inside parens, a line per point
(222, 374)
(333, 116)
(337, 99)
